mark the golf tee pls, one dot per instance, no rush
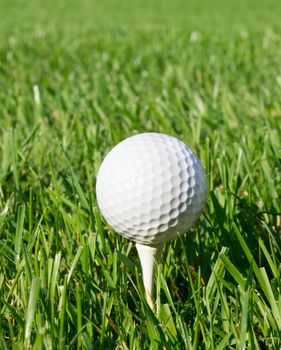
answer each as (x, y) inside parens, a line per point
(148, 257)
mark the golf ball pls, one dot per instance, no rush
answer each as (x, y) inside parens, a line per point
(151, 188)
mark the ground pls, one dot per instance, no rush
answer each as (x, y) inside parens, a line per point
(78, 77)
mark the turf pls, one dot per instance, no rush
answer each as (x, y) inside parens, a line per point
(75, 79)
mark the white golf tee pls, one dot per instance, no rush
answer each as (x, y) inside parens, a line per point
(148, 258)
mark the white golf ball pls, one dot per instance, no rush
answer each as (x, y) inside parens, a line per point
(151, 188)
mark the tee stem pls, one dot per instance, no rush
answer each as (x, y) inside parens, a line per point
(148, 257)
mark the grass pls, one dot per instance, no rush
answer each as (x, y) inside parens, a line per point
(75, 80)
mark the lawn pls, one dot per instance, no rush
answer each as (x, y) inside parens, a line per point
(75, 79)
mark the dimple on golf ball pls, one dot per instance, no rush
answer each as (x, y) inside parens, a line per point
(151, 188)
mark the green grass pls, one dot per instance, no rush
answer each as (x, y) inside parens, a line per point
(75, 79)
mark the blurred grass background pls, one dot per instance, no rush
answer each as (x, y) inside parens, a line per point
(215, 16)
